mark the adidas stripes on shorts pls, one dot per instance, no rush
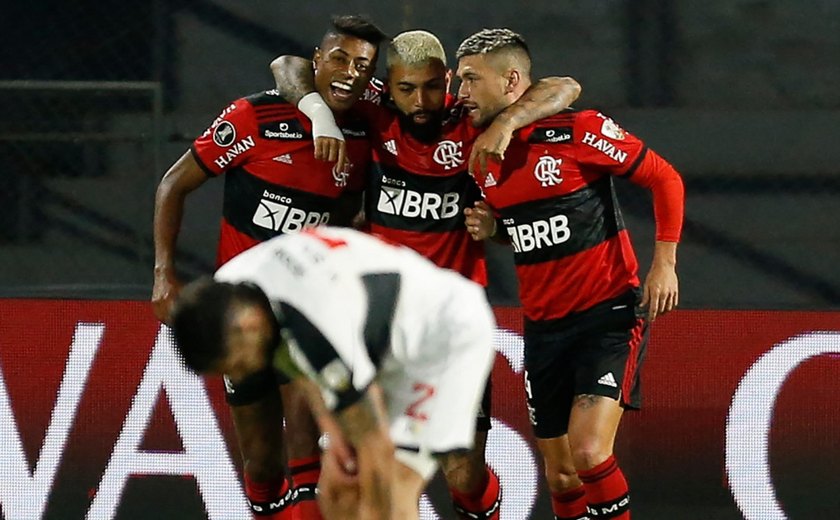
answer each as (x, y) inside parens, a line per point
(602, 355)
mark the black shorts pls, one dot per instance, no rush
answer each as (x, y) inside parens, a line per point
(599, 352)
(253, 388)
(485, 409)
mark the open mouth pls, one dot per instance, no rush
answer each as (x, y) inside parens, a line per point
(341, 91)
(421, 117)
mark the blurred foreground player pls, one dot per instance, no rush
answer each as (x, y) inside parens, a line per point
(274, 184)
(577, 271)
(353, 316)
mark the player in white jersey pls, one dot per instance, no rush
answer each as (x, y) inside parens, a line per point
(357, 317)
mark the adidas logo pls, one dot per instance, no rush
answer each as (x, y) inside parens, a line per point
(489, 180)
(608, 380)
(285, 158)
(391, 146)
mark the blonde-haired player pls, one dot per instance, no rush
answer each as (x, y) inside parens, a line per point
(419, 186)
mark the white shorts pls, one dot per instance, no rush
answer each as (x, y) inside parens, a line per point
(433, 387)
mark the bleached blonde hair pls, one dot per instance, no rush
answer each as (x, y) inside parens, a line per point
(413, 48)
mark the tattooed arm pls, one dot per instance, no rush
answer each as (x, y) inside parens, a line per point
(293, 77)
(544, 98)
(295, 81)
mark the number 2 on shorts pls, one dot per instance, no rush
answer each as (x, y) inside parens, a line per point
(426, 392)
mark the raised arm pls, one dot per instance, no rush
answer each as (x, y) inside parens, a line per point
(295, 81)
(546, 97)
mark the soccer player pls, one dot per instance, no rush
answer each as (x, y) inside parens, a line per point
(418, 188)
(274, 184)
(585, 335)
(356, 316)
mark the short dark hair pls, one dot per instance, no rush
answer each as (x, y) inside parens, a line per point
(491, 40)
(200, 316)
(358, 26)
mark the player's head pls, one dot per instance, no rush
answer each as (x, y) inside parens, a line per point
(494, 66)
(418, 81)
(346, 59)
(224, 328)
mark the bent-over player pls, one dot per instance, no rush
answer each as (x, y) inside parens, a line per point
(355, 316)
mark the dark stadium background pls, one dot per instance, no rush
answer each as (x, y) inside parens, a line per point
(97, 98)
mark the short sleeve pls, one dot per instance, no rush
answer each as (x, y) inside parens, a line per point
(229, 141)
(602, 144)
(321, 362)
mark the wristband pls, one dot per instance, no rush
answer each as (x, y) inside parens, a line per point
(315, 108)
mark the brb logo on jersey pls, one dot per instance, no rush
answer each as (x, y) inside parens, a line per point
(413, 204)
(547, 171)
(448, 154)
(224, 134)
(275, 212)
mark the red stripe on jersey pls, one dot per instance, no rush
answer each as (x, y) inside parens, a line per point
(630, 367)
(451, 250)
(556, 288)
(231, 243)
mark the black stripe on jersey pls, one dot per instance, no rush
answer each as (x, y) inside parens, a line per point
(633, 167)
(263, 210)
(398, 199)
(382, 292)
(266, 97)
(557, 227)
(319, 352)
(275, 115)
(277, 108)
(207, 171)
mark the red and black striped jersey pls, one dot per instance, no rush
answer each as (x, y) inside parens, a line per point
(273, 183)
(417, 191)
(555, 197)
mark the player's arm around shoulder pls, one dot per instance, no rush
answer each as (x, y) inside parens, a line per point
(544, 98)
(295, 82)
(293, 77)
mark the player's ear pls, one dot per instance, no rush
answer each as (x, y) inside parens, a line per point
(512, 77)
(316, 57)
(448, 79)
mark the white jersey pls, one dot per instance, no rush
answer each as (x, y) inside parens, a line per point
(358, 308)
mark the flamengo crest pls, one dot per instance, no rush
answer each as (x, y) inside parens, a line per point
(547, 171)
(448, 154)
